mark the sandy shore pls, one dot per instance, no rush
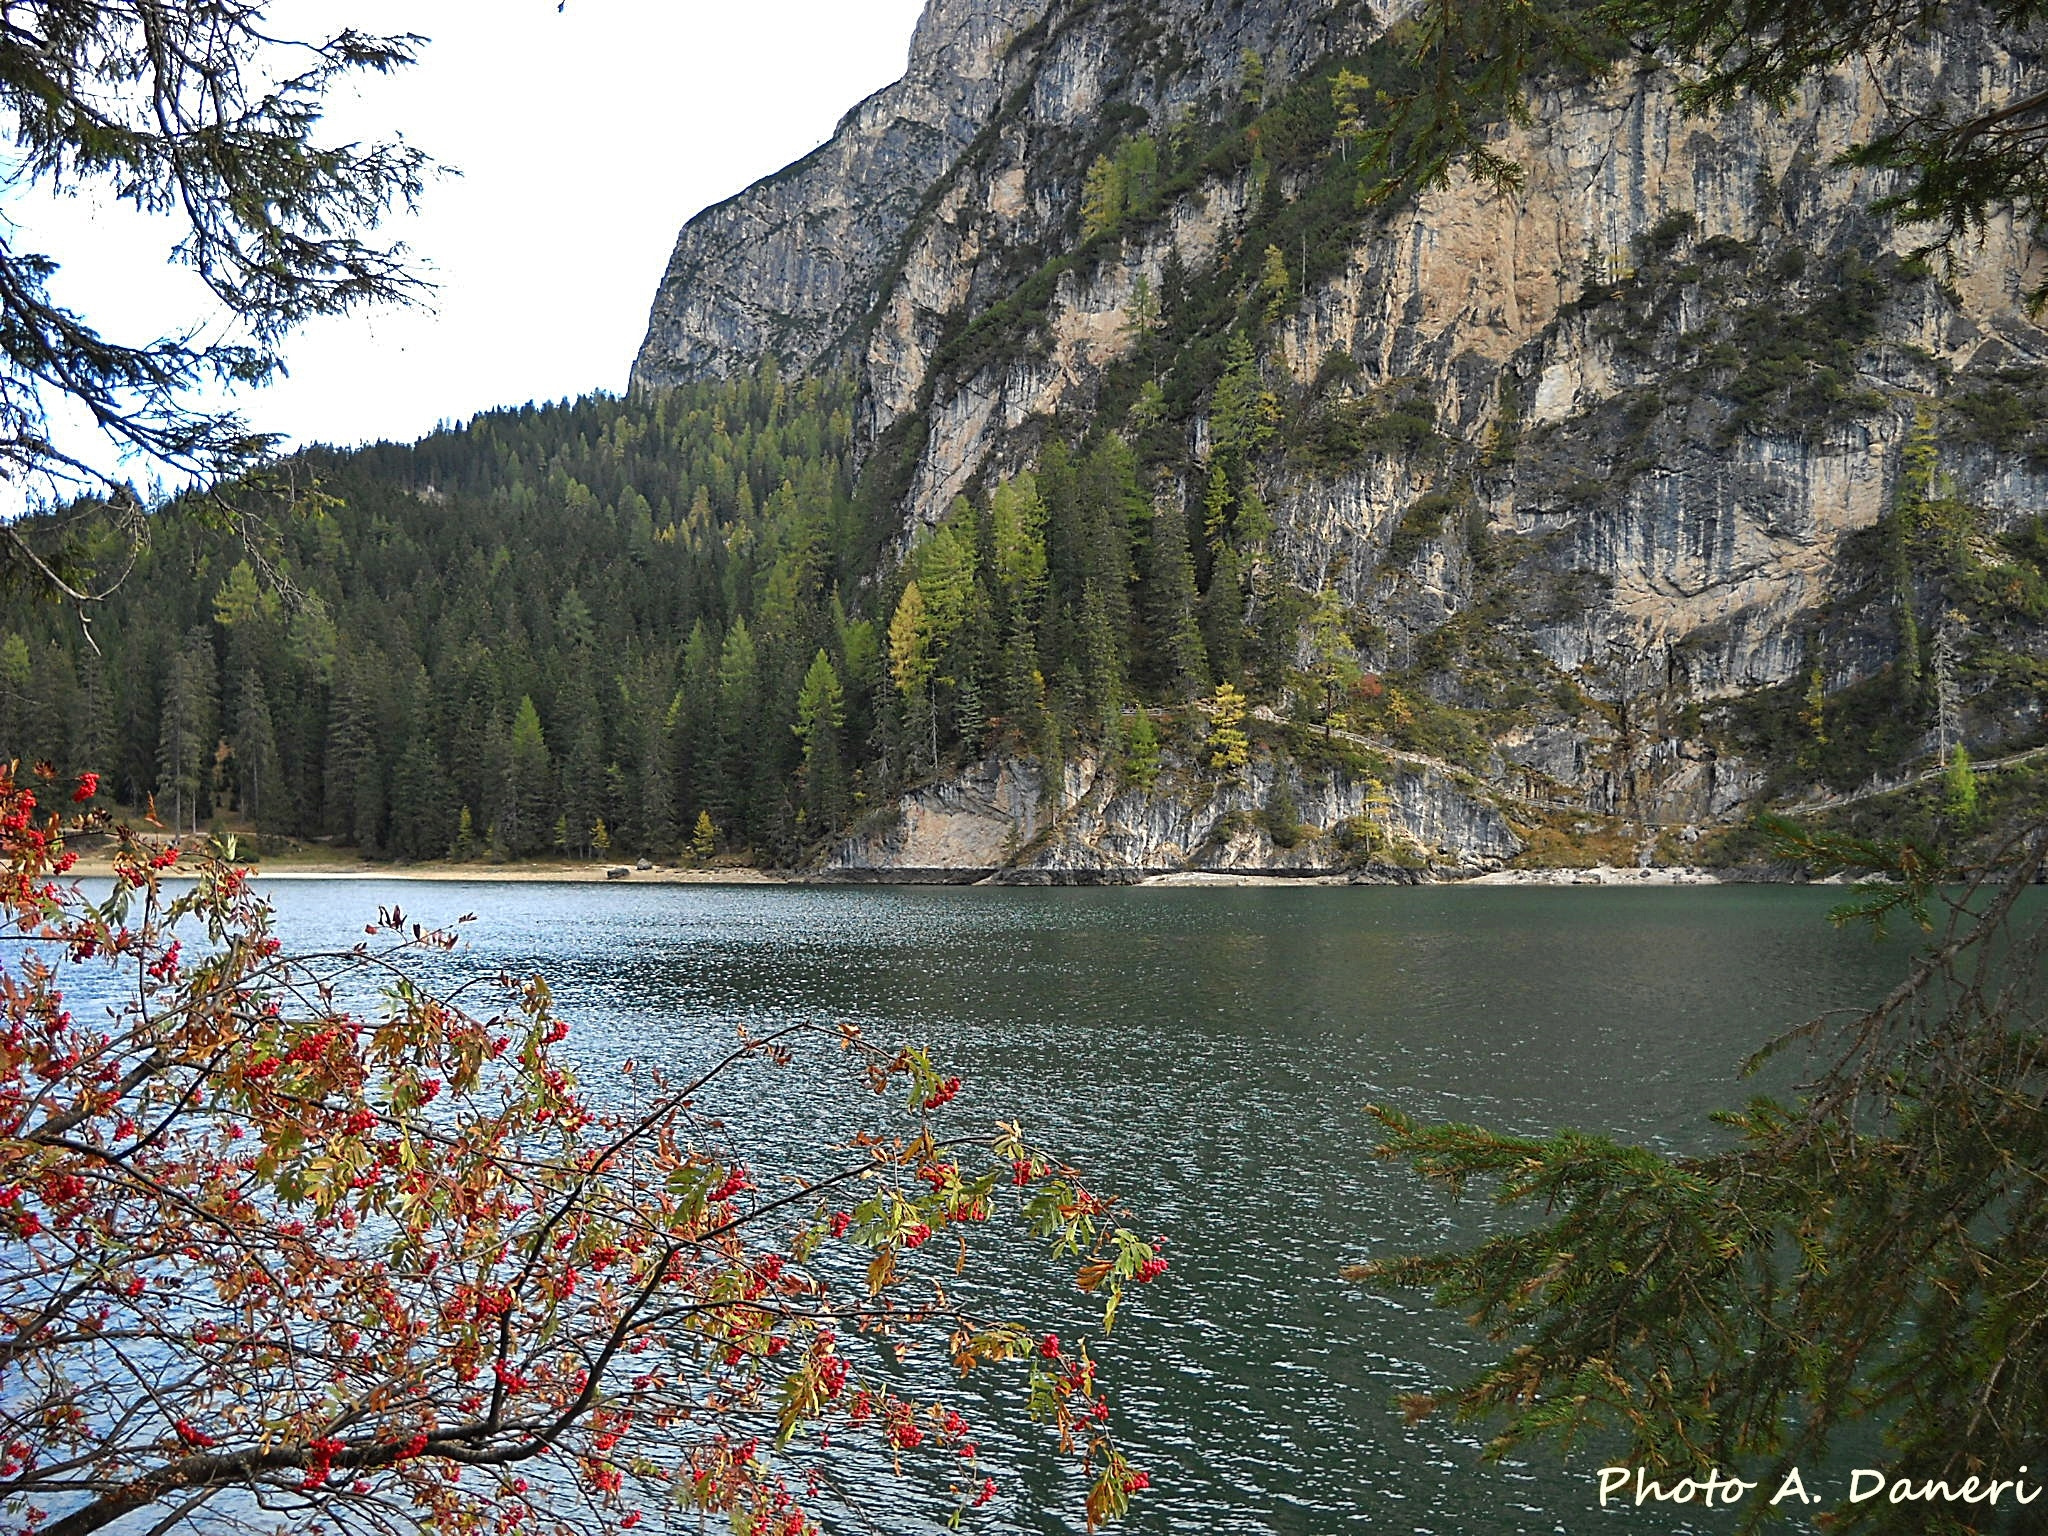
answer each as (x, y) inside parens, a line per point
(526, 873)
(567, 873)
(1600, 874)
(1186, 877)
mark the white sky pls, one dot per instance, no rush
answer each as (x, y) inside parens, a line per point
(585, 136)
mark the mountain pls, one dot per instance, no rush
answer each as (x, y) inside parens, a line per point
(1618, 466)
(1096, 462)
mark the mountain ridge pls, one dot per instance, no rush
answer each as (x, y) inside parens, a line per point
(1622, 322)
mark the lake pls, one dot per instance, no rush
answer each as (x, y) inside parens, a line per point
(1204, 1053)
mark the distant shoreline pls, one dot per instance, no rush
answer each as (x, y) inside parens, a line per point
(1607, 877)
(511, 874)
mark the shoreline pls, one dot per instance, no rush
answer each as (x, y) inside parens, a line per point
(475, 874)
(1602, 876)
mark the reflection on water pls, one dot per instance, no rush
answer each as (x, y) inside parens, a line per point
(1205, 1052)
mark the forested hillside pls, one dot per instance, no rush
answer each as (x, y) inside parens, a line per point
(1201, 453)
(557, 628)
(578, 628)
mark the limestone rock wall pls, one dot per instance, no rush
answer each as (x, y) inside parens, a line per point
(1659, 542)
(1003, 819)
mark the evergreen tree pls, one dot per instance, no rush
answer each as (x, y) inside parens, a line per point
(912, 667)
(692, 722)
(820, 717)
(1142, 752)
(1229, 749)
(466, 846)
(1243, 415)
(1223, 606)
(16, 677)
(1170, 599)
(1216, 505)
(1959, 790)
(1275, 283)
(93, 743)
(1102, 198)
(1349, 98)
(1333, 669)
(583, 784)
(419, 827)
(260, 788)
(528, 808)
(1251, 90)
(657, 792)
(188, 731)
(355, 803)
(738, 712)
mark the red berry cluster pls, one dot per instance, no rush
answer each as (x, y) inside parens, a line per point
(320, 1461)
(733, 1183)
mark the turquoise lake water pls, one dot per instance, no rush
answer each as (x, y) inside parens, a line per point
(1205, 1053)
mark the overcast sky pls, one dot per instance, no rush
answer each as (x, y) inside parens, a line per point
(584, 135)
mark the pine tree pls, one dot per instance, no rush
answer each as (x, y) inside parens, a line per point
(1170, 598)
(16, 674)
(1332, 666)
(693, 722)
(1251, 90)
(945, 582)
(1813, 715)
(1229, 749)
(1141, 313)
(260, 787)
(1137, 163)
(820, 717)
(93, 732)
(912, 667)
(1243, 413)
(1275, 283)
(1223, 615)
(1141, 751)
(240, 600)
(583, 783)
(188, 732)
(1908, 520)
(737, 724)
(704, 840)
(1017, 521)
(1102, 660)
(1102, 198)
(1348, 96)
(1959, 790)
(529, 786)
(1216, 503)
(465, 847)
(657, 792)
(419, 801)
(499, 812)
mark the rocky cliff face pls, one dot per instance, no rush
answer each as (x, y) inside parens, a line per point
(790, 266)
(1004, 820)
(1663, 390)
(861, 251)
